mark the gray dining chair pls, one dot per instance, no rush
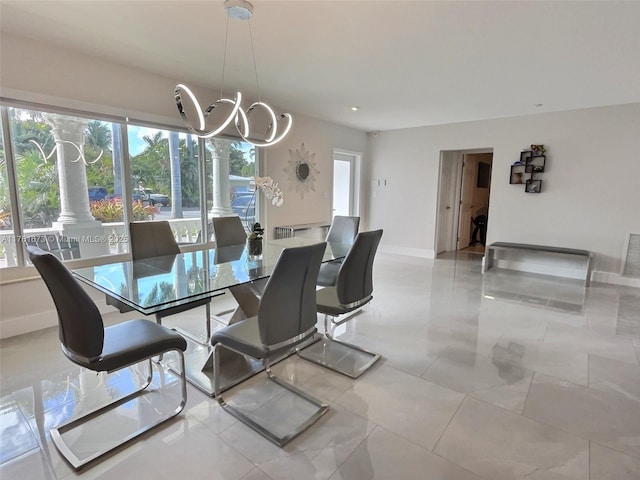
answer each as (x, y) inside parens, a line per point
(229, 232)
(86, 342)
(286, 317)
(155, 239)
(353, 290)
(343, 230)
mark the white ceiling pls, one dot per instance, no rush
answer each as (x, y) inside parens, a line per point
(404, 63)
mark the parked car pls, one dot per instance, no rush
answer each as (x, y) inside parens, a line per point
(97, 193)
(136, 197)
(154, 198)
(237, 195)
(159, 198)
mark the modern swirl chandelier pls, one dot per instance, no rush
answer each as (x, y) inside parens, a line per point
(240, 10)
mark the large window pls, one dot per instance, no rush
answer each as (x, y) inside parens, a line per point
(63, 169)
(232, 195)
(165, 176)
(64, 177)
(6, 219)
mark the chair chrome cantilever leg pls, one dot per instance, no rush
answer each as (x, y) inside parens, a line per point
(337, 355)
(252, 420)
(74, 449)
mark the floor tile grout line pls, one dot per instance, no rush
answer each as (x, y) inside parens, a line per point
(376, 426)
(224, 440)
(449, 423)
(566, 431)
(448, 460)
(589, 460)
(524, 405)
(614, 449)
(433, 363)
(544, 335)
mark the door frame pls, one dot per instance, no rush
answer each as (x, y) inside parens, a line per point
(447, 239)
(448, 186)
(355, 158)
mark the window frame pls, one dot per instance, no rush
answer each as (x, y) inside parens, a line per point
(22, 271)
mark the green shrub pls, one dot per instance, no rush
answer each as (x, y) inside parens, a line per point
(111, 211)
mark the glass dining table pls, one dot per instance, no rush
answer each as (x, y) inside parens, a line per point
(162, 283)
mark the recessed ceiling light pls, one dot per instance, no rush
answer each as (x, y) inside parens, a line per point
(355, 108)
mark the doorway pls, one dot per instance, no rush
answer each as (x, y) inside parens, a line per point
(346, 174)
(463, 200)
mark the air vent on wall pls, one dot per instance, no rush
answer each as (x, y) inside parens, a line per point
(631, 256)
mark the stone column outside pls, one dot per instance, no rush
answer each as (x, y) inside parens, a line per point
(220, 188)
(75, 220)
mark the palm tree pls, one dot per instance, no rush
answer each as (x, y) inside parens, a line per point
(98, 135)
(157, 152)
(189, 172)
(176, 181)
(98, 138)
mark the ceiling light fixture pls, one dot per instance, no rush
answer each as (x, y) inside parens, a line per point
(240, 10)
(355, 108)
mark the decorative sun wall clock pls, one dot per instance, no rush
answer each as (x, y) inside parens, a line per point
(302, 170)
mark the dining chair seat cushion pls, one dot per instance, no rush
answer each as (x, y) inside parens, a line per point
(327, 302)
(328, 275)
(133, 341)
(244, 337)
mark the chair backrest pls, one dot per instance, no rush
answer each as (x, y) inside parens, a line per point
(288, 303)
(65, 248)
(343, 229)
(355, 277)
(80, 326)
(229, 231)
(152, 239)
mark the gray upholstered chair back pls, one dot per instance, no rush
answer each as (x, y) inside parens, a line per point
(288, 304)
(152, 239)
(355, 278)
(81, 330)
(343, 229)
(228, 231)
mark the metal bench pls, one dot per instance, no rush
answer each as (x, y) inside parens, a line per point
(541, 259)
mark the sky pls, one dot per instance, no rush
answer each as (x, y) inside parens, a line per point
(137, 143)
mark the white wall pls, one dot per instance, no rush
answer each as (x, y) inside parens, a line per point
(319, 138)
(591, 183)
(42, 73)
(591, 189)
(45, 74)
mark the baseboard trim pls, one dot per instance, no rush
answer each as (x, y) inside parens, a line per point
(10, 326)
(615, 279)
(411, 252)
(28, 323)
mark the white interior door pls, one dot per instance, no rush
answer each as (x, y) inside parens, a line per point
(344, 184)
(469, 174)
(446, 203)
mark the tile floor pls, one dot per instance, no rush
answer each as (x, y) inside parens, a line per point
(506, 377)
